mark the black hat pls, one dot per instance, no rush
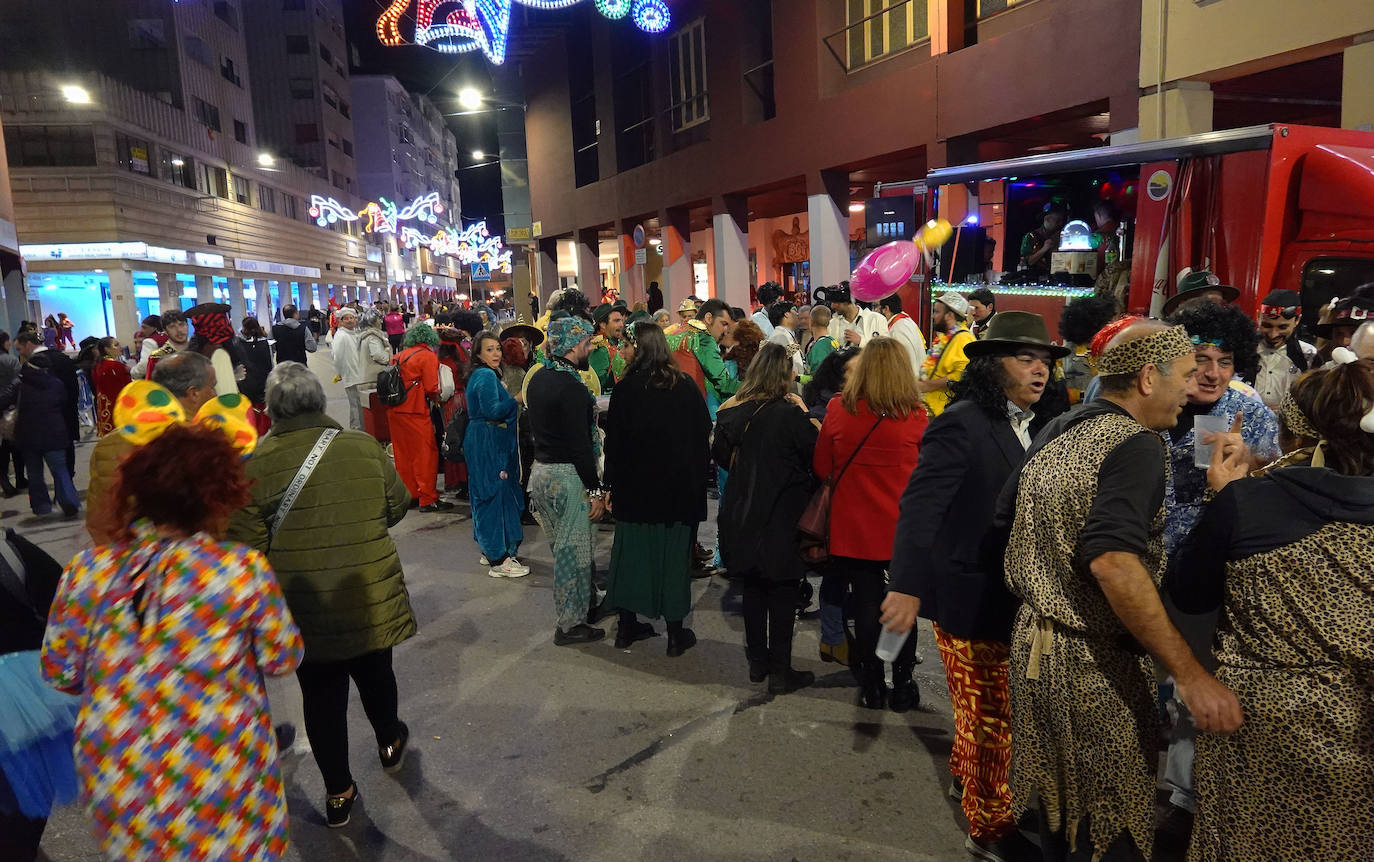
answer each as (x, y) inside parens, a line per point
(1010, 331)
(1281, 299)
(834, 293)
(1194, 285)
(525, 331)
(1352, 311)
(207, 308)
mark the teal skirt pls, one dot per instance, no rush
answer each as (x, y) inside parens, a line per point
(649, 570)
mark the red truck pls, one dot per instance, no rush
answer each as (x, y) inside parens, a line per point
(1263, 207)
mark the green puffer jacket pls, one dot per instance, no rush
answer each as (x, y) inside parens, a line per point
(333, 556)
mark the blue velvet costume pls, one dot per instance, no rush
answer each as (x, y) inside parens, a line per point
(490, 447)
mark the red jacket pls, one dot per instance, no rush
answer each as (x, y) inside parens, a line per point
(863, 511)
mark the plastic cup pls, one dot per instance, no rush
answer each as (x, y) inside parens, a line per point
(1206, 426)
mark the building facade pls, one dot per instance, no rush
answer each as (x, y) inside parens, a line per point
(306, 114)
(747, 140)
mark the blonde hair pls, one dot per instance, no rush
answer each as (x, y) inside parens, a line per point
(884, 380)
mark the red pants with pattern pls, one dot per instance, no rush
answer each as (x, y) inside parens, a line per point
(416, 454)
(979, 692)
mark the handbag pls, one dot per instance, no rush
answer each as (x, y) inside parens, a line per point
(813, 527)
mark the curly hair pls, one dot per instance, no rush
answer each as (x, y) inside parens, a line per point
(189, 478)
(574, 302)
(1083, 318)
(421, 333)
(828, 380)
(748, 338)
(984, 383)
(1343, 395)
(513, 353)
(468, 321)
(1233, 328)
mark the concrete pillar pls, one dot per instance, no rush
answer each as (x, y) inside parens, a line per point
(125, 320)
(1184, 108)
(827, 209)
(631, 274)
(587, 248)
(676, 226)
(264, 310)
(205, 288)
(1357, 96)
(16, 297)
(238, 307)
(545, 273)
(168, 292)
(730, 224)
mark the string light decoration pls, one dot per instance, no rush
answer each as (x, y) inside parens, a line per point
(472, 244)
(461, 26)
(1027, 290)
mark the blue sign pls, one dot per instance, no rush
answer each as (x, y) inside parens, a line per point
(481, 272)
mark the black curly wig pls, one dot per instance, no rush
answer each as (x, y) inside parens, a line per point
(828, 380)
(984, 382)
(1082, 318)
(574, 302)
(1212, 321)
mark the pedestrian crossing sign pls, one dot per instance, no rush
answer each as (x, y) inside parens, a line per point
(481, 271)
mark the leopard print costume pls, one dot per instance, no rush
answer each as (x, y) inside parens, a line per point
(1297, 648)
(1084, 727)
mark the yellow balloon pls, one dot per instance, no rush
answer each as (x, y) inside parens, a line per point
(934, 233)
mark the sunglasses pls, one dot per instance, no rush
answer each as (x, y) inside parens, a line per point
(1286, 312)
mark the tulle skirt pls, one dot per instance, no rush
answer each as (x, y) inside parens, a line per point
(36, 739)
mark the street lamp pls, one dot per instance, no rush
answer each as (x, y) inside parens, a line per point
(76, 95)
(265, 160)
(470, 98)
(478, 155)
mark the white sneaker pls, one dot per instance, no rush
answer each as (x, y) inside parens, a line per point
(510, 568)
(483, 561)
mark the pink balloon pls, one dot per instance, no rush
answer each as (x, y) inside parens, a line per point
(883, 270)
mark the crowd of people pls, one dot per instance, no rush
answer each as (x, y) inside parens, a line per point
(1156, 517)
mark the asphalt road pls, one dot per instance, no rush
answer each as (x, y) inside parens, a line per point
(526, 751)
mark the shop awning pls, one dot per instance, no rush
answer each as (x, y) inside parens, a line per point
(1339, 180)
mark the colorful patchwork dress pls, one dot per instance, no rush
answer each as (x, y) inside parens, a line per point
(167, 641)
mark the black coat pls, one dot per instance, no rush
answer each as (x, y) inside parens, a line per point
(657, 447)
(42, 399)
(946, 552)
(256, 358)
(769, 485)
(290, 343)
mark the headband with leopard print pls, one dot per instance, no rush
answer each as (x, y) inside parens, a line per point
(1163, 346)
(1298, 423)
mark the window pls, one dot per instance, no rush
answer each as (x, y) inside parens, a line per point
(225, 12)
(333, 141)
(241, 131)
(288, 206)
(267, 198)
(296, 44)
(147, 34)
(214, 181)
(177, 169)
(880, 28)
(133, 154)
(229, 73)
(347, 147)
(757, 44)
(345, 109)
(49, 146)
(205, 112)
(197, 50)
(337, 179)
(330, 95)
(632, 92)
(307, 133)
(241, 190)
(404, 134)
(325, 55)
(687, 76)
(301, 88)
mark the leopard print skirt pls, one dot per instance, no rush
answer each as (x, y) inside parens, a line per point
(1084, 734)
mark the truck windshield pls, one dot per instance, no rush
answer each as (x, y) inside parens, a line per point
(1327, 277)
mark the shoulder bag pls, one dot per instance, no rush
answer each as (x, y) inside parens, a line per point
(302, 476)
(813, 527)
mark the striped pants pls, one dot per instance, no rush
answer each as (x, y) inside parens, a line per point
(978, 690)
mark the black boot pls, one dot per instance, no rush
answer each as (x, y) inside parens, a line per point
(680, 639)
(905, 694)
(872, 689)
(758, 667)
(787, 680)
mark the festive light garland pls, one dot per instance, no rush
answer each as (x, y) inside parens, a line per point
(484, 25)
(997, 290)
(473, 244)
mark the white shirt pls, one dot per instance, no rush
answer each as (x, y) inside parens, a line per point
(1020, 422)
(1277, 373)
(868, 324)
(782, 335)
(347, 360)
(761, 318)
(903, 330)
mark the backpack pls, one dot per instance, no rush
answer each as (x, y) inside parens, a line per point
(391, 388)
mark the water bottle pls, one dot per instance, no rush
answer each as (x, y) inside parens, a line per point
(890, 643)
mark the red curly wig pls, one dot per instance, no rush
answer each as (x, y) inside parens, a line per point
(189, 479)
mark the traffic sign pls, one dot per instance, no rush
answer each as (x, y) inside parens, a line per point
(481, 272)
(641, 256)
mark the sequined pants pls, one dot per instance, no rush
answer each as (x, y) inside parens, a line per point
(559, 501)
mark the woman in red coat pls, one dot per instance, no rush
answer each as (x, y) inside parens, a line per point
(412, 430)
(877, 421)
(109, 376)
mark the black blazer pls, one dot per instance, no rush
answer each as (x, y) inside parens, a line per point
(643, 425)
(946, 552)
